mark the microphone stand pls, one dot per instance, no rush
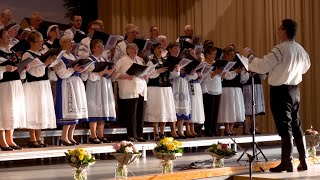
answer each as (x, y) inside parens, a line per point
(251, 158)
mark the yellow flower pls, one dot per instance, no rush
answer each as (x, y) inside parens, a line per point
(170, 139)
(179, 143)
(71, 152)
(81, 151)
(171, 146)
(81, 157)
(164, 141)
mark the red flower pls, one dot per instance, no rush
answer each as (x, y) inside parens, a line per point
(224, 146)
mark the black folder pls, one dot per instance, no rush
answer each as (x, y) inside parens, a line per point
(220, 63)
(136, 69)
(80, 62)
(22, 64)
(194, 63)
(78, 37)
(50, 52)
(102, 36)
(100, 66)
(171, 62)
(140, 43)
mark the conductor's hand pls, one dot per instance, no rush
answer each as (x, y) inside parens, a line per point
(162, 70)
(10, 68)
(246, 52)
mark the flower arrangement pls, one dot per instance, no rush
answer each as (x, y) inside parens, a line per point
(80, 159)
(169, 145)
(167, 149)
(312, 140)
(219, 152)
(126, 147)
(126, 153)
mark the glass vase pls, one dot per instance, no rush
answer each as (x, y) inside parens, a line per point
(312, 152)
(167, 166)
(121, 171)
(217, 162)
(80, 174)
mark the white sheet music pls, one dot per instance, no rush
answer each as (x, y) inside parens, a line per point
(228, 66)
(184, 62)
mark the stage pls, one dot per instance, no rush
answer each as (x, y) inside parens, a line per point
(25, 167)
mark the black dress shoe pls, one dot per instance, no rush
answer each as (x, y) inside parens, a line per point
(303, 166)
(140, 139)
(6, 148)
(95, 141)
(104, 140)
(16, 147)
(75, 142)
(34, 144)
(132, 139)
(42, 144)
(62, 142)
(189, 136)
(162, 136)
(283, 167)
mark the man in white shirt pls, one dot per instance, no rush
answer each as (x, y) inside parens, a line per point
(76, 21)
(5, 18)
(286, 64)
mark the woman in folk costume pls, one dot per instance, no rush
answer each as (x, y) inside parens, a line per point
(100, 98)
(52, 41)
(197, 111)
(12, 108)
(180, 92)
(231, 109)
(37, 90)
(71, 101)
(258, 97)
(160, 105)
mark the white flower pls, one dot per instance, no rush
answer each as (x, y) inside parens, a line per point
(128, 150)
(219, 146)
(123, 143)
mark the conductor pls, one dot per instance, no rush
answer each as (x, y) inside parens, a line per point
(285, 65)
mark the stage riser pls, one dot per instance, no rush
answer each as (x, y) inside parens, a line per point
(58, 151)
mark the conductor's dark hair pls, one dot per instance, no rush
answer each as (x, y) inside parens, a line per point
(290, 26)
(154, 46)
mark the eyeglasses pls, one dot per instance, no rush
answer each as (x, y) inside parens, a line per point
(100, 46)
(38, 41)
(96, 29)
(136, 32)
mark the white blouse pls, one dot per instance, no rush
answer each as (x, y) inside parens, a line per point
(130, 88)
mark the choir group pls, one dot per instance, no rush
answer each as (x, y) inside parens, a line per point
(43, 92)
